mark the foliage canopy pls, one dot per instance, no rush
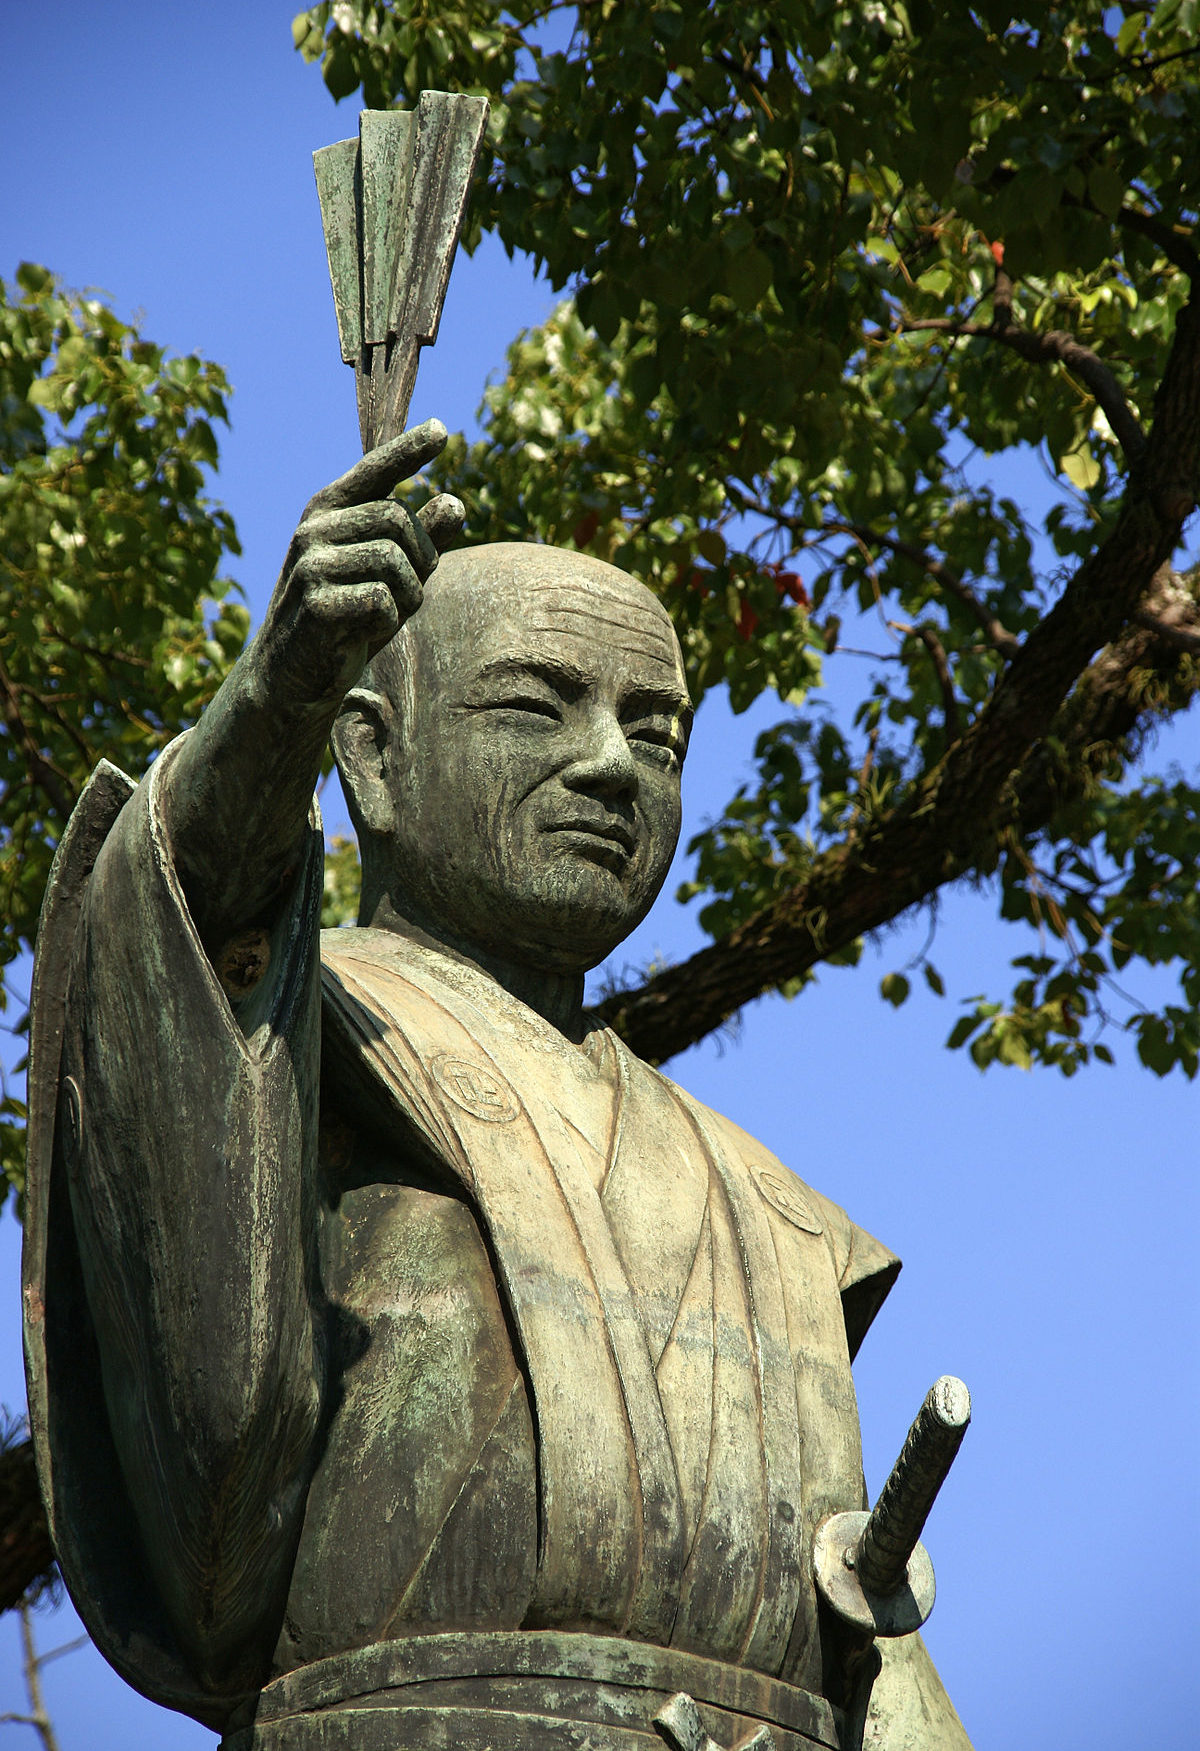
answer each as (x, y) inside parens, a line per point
(828, 263)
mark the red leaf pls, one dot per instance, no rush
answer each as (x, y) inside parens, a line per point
(584, 532)
(789, 584)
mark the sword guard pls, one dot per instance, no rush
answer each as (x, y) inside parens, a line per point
(872, 1568)
(835, 1553)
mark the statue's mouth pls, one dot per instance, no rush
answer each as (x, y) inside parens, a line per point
(611, 843)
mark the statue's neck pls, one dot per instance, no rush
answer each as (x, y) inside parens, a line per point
(556, 997)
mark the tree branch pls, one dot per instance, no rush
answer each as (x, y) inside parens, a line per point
(37, 1718)
(1170, 621)
(26, 1554)
(1054, 346)
(51, 706)
(1174, 244)
(994, 630)
(952, 821)
(1104, 716)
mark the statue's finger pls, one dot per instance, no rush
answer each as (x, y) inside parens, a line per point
(369, 562)
(381, 520)
(442, 518)
(382, 469)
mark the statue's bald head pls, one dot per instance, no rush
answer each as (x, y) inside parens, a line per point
(554, 591)
(536, 718)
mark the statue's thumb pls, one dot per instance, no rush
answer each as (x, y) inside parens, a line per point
(442, 518)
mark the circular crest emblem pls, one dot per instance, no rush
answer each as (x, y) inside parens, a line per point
(783, 1191)
(475, 1087)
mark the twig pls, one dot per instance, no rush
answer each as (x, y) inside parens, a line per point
(864, 771)
(42, 772)
(996, 632)
(1058, 714)
(79, 1641)
(32, 1662)
(998, 635)
(941, 665)
(52, 706)
(103, 657)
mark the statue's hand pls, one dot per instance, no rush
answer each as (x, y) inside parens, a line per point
(354, 571)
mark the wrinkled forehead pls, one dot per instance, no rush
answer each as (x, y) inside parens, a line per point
(602, 619)
(585, 615)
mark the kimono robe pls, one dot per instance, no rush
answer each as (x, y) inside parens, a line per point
(377, 1310)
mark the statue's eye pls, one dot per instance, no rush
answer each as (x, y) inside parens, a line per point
(537, 705)
(657, 737)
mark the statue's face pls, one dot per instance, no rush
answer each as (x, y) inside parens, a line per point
(537, 776)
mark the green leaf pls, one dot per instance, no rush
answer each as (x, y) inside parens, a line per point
(737, 410)
(1081, 469)
(1013, 1048)
(961, 1032)
(112, 577)
(936, 280)
(340, 70)
(894, 988)
(34, 279)
(1106, 188)
(1129, 35)
(748, 278)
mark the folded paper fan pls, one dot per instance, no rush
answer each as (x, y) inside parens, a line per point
(392, 204)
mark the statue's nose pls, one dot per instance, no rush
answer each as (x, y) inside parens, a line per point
(604, 764)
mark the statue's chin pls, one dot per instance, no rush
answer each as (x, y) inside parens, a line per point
(564, 918)
(579, 912)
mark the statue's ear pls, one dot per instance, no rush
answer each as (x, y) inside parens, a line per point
(361, 737)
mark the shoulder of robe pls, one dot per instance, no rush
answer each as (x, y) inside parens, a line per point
(865, 1268)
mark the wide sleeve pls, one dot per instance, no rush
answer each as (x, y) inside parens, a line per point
(187, 1133)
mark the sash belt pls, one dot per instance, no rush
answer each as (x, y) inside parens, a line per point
(521, 1690)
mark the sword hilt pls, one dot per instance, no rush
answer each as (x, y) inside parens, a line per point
(898, 1517)
(872, 1568)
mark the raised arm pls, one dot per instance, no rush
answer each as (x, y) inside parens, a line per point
(189, 1132)
(240, 788)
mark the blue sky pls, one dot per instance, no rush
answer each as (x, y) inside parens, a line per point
(1048, 1228)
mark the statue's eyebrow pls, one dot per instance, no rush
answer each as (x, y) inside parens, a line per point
(569, 680)
(671, 700)
(557, 672)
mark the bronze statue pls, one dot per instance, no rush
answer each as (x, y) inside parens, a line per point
(411, 1366)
